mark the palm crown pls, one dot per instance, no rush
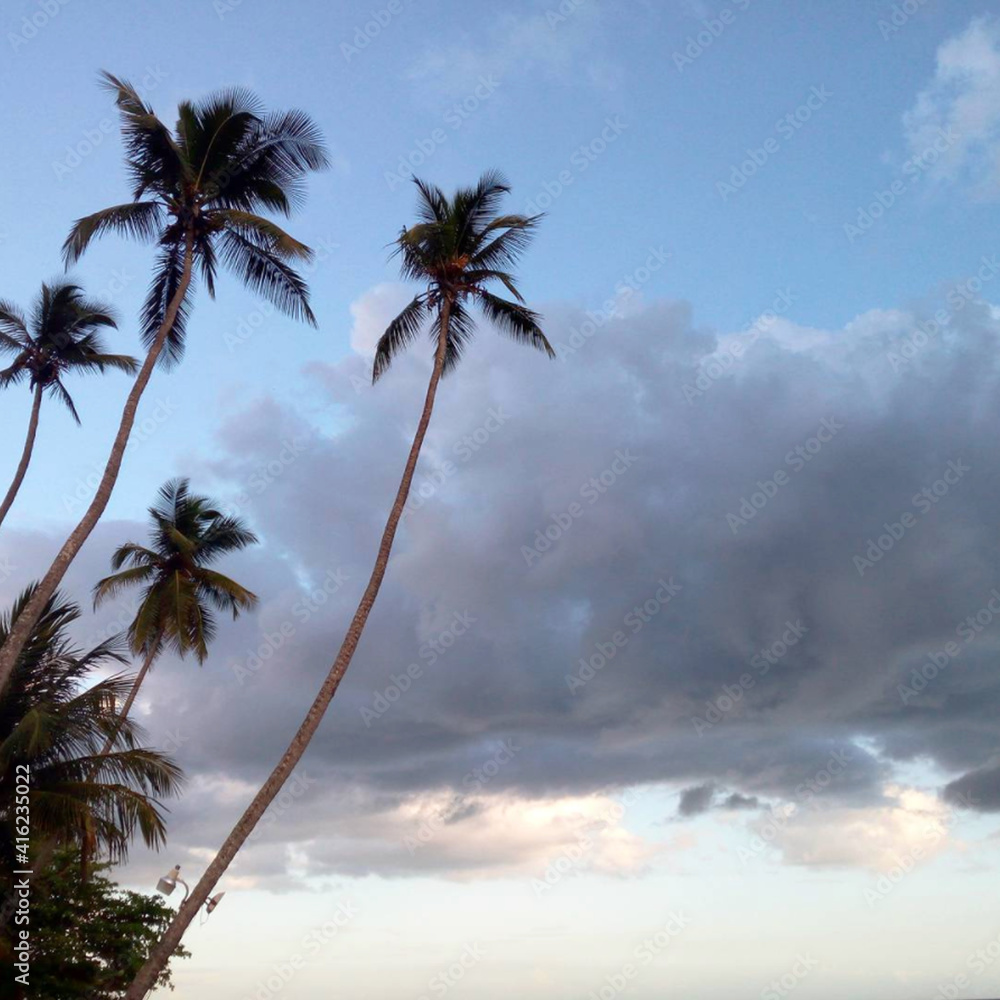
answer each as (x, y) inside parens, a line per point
(61, 336)
(187, 534)
(54, 719)
(458, 248)
(199, 188)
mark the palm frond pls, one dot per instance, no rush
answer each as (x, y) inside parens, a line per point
(59, 391)
(461, 327)
(111, 586)
(263, 232)
(515, 320)
(16, 372)
(141, 220)
(266, 274)
(224, 593)
(398, 334)
(504, 250)
(166, 281)
(152, 156)
(432, 204)
(13, 327)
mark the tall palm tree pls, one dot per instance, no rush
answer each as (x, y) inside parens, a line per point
(62, 336)
(196, 191)
(458, 248)
(187, 534)
(54, 719)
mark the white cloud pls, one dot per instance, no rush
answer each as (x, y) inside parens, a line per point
(483, 835)
(561, 43)
(912, 824)
(372, 313)
(963, 101)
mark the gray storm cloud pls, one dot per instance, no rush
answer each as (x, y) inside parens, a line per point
(793, 484)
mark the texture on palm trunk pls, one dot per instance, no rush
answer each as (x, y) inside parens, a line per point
(196, 190)
(62, 336)
(457, 247)
(180, 589)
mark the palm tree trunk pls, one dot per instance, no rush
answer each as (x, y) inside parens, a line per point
(166, 946)
(26, 620)
(127, 707)
(29, 444)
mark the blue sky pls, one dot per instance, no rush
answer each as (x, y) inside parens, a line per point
(718, 179)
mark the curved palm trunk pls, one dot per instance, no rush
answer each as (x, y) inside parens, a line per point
(166, 946)
(26, 620)
(29, 444)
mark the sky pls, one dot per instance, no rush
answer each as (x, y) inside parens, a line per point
(703, 613)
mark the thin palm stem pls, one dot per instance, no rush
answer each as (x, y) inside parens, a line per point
(129, 701)
(29, 444)
(244, 827)
(11, 649)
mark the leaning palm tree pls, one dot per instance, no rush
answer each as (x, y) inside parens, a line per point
(187, 534)
(54, 721)
(459, 247)
(62, 336)
(196, 191)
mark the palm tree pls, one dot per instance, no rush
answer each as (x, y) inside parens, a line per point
(53, 722)
(63, 336)
(187, 534)
(457, 249)
(196, 190)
